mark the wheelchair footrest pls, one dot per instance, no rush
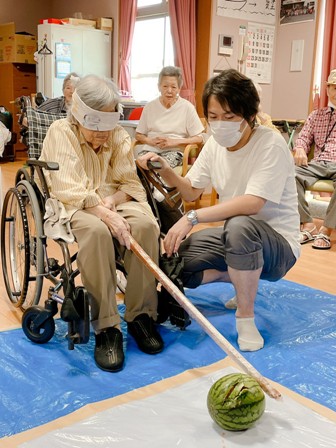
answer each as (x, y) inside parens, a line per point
(169, 308)
(79, 328)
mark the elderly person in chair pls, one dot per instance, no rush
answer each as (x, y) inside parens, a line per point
(169, 121)
(105, 202)
(320, 130)
(62, 103)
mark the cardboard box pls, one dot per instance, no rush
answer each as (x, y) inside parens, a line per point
(7, 29)
(82, 22)
(16, 47)
(105, 23)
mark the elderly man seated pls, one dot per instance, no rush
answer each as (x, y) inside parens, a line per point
(319, 129)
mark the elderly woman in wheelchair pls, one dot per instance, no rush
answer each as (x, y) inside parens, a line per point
(104, 200)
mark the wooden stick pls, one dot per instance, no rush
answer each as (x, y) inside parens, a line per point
(203, 322)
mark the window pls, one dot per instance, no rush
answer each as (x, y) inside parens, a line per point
(152, 48)
(317, 86)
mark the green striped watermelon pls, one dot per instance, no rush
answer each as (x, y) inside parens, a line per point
(236, 401)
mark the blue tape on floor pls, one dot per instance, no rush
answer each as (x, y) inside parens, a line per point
(39, 383)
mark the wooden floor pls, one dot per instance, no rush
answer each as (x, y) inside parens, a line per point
(315, 268)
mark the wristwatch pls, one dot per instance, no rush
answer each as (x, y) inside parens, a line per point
(192, 217)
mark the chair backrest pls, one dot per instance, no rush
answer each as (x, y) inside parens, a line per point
(135, 114)
(38, 125)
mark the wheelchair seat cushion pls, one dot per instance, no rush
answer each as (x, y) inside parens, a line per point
(38, 125)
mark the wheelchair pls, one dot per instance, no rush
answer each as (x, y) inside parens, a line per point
(24, 251)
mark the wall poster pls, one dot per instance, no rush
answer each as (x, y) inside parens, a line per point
(62, 59)
(293, 11)
(260, 55)
(256, 10)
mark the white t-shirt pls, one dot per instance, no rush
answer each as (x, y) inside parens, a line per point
(264, 167)
(179, 121)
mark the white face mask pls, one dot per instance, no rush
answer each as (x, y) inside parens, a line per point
(226, 133)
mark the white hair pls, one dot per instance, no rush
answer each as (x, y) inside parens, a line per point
(98, 92)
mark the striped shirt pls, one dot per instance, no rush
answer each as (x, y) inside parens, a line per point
(319, 128)
(85, 177)
(54, 106)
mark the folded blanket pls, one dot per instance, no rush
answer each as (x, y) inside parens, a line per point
(57, 223)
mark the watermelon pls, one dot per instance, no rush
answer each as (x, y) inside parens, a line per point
(236, 401)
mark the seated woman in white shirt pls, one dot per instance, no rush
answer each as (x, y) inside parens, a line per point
(169, 121)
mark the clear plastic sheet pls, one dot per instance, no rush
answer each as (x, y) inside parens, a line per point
(178, 417)
(39, 383)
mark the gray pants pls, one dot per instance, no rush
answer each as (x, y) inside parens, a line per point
(96, 261)
(244, 244)
(307, 176)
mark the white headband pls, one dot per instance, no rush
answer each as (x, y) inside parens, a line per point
(92, 119)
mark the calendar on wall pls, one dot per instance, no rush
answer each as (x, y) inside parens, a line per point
(258, 65)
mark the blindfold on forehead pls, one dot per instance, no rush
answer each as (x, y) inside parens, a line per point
(91, 119)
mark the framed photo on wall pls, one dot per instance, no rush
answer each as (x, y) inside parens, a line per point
(294, 11)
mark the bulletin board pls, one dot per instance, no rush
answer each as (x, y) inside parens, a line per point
(260, 55)
(263, 11)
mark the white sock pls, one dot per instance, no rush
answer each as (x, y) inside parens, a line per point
(249, 338)
(231, 304)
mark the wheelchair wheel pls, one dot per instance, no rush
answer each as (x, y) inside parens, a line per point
(22, 174)
(38, 334)
(22, 246)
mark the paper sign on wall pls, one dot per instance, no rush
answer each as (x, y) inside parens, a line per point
(62, 59)
(257, 10)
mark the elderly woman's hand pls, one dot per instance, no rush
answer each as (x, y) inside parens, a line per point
(119, 227)
(166, 142)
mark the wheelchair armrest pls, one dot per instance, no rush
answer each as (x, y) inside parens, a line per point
(51, 166)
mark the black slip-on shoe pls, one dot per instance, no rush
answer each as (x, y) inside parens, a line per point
(143, 330)
(109, 354)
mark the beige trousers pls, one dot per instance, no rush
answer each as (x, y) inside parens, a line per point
(96, 261)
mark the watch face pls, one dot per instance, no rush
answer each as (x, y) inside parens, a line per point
(192, 217)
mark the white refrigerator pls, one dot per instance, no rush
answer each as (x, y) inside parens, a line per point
(67, 48)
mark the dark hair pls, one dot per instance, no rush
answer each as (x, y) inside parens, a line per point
(234, 90)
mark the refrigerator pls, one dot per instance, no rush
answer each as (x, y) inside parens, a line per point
(68, 48)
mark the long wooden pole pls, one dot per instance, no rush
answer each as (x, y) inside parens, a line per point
(203, 322)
